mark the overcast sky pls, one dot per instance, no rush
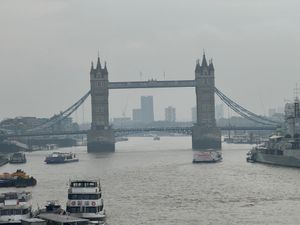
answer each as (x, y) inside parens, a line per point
(46, 47)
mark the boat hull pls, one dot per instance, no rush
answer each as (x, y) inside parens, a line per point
(288, 161)
(58, 161)
(208, 161)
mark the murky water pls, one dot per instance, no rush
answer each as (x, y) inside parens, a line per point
(155, 182)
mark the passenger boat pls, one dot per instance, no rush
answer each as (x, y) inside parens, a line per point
(17, 157)
(15, 206)
(16, 179)
(208, 156)
(85, 200)
(283, 147)
(60, 157)
(156, 138)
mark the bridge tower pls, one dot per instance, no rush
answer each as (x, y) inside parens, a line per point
(101, 137)
(205, 134)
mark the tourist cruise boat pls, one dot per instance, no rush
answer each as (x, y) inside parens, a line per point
(60, 157)
(14, 206)
(208, 156)
(85, 200)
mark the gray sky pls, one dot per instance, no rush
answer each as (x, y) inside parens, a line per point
(46, 47)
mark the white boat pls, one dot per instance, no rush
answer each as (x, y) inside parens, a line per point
(15, 206)
(208, 156)
(85, 200)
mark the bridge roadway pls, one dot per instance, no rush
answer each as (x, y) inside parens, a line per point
(152, 84)
(185, 130)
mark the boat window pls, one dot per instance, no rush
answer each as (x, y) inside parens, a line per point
(73, 209)
(279, 152)
(84, 184)
(25, 211)
(84, 196)
(4, 212)
(90, 209)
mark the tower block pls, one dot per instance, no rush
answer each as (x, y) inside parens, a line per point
(205, 134)
(101, 137)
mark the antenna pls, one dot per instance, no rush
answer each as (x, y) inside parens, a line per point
(141, 76)
(296, 91)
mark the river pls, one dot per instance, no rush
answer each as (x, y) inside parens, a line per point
(155, 182)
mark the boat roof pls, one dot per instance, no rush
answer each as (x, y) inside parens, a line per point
(61, 218)
(85, 180)
(32, 220)
(276, 137)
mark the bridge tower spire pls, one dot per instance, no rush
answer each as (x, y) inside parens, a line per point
(100, 137)
(205, 133)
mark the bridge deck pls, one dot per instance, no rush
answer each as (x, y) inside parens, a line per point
(128, 130)
(151, 84)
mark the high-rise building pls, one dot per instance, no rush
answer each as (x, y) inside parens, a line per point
(219, 111)
(137, 115)
(147, 111)
(194, 114)
(272, 111)
(170, 114)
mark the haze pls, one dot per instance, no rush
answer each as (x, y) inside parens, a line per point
(46, 48)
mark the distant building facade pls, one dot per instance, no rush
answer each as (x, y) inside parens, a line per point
(170, 114)
(194, 114)
(146, 113)
(219, 111)
(147, 109)
(137, 115)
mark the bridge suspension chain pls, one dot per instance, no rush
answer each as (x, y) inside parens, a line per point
(61, 116)
(244, 112)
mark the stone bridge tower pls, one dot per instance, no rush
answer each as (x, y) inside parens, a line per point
(101, 137)
(205, 134)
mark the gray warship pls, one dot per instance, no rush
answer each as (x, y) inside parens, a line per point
(283, 147)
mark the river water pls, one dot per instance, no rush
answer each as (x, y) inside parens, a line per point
(155, 182)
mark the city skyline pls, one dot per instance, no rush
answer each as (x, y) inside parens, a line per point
(36, 66)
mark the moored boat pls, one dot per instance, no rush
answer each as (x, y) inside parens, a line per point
(15, 206)
(51, 206)
(16, 179)
(60, 157)
(283, 147)
(3, 160)
(17, 157)
(208, 156)
(85, 200)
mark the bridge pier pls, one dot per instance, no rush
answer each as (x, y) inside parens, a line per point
(100, 140)
(205, 134)
(205, 137)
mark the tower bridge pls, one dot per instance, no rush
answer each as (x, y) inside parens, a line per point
(205, 133)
